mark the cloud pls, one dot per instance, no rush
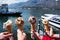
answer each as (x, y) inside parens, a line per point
(11, 1)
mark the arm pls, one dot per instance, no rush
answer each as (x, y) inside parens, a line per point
(56, 36)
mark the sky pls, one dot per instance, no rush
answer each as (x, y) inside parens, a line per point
(11, 1)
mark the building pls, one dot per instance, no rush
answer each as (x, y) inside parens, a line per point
(3, 8)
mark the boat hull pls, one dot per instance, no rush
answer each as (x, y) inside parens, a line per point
(10, 14)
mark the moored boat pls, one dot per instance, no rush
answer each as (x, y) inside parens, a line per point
(54, 20)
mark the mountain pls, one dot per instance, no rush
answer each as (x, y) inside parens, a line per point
(24, 4)
(16, 5)
(37, 3)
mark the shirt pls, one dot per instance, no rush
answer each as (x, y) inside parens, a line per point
(46, 38)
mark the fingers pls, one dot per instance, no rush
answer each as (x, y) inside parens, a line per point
(8, 35)
(21, 35)
(51, 31)
(5, 35)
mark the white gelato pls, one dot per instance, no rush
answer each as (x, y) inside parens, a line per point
(6, 24)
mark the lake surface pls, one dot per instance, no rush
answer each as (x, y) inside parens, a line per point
(26, 13)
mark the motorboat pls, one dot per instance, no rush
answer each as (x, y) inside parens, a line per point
(54, 20)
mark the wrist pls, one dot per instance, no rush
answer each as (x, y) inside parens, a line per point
(33, 31)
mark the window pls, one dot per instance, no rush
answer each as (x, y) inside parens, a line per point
(59, 20)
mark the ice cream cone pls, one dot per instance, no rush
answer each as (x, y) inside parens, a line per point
(20, 22)
(32, 20)
(8, 26)
(46, 24)
(9, 29)
(33, 28)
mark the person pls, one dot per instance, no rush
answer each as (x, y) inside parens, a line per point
(35, 34)
(7, 35)
(20, 23)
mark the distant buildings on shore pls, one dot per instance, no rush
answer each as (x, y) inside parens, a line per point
(3, 8)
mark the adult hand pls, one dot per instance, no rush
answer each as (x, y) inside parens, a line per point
(21, 35)
(5, 35)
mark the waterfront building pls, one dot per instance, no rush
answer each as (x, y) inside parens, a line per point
(3, 8)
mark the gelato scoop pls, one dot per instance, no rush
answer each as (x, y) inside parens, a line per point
(7, 25)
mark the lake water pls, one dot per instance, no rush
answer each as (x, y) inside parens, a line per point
(26, 13)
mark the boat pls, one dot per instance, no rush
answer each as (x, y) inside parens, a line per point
(11, 14)
(4, 11)
(54, 20)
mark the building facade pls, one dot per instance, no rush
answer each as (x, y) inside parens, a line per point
(3, 8)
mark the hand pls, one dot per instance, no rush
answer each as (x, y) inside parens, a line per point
(5, 35)
(36, 35)
(32, 20)
(21, 35)
(51, 32)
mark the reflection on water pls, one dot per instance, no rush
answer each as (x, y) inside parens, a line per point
(2, 20)
(26, 14)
